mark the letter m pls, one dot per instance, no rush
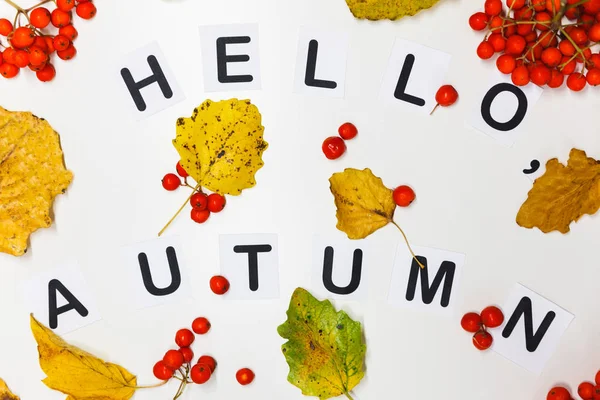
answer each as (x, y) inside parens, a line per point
(445, 274)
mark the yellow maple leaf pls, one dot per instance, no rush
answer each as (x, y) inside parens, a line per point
(387, 9)
(563, 194)
(78, 373)
(5, 393)
(32, 174)
(221, 145)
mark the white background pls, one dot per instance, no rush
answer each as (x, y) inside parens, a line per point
(469, 190)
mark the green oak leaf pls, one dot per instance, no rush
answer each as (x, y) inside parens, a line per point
(325, 349)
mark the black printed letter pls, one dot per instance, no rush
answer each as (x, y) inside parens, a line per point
(328, 272)
(147, 275)
(311, 69)
(400, 93)
(490, 96)
(253, 250)
(157, 76)
(223, 59)
(532, 340)
(72, 303)
(445, 273)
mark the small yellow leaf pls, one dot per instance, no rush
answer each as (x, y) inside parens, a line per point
(5, 393)
(387, 9)
(563, 194)
(32, 174)
(77, 373)
(221, 145)
(363, 203)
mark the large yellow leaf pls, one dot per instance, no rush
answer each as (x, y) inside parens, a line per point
(77, 373)
(32, 174)
(5, 393)
(221, 145)
(387, 9)
(325, 349)
(363, 203)
(563, 194)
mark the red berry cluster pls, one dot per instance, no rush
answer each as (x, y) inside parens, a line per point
(202, 205)
(542, 41)
(31, 45)
(586, 390)
(490, 317)
(334, 146)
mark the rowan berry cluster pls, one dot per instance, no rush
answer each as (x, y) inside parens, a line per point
(542, 41)
(36, 33)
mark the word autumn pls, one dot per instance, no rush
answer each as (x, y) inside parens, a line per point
(155, 275)
(231, 62)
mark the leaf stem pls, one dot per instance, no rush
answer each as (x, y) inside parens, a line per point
(179, 211)
(408, 244)
(151, 386)
(348, 396)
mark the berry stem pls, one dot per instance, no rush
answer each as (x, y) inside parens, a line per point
(579, 51)
(408, 244)
(434, 108)
(14, 5)
(39, 4)
(179, 211)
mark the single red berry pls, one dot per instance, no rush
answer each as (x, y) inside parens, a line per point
(173, 359)
(558, 393)
(485, 50)
(551, 57)
(586, 391)
(471, 322)
(593, 77)
(199, 216)
(482, 340)
(86, 10)
(47, 73)
(37, 56)
(65, 5)
(162, 372)
(40, 17)
(61, 42)
(446, 96)
(22, 37)
(492, 317)
(60, 18)
(594, 32)
(21, 58)
(180, 171)
(171, 182)
(9, 54)
(576, 81)
(49, 44)
(497, 41)
(478, 21)
(347, 131)
(216, 202)
(219, 284)
(209, 362)
(493, 7)
(515, 4)
(244, 376)
(333, 147)
(201, 325)
(69, 32)
(9, 70)
(515, 45)
(184, 337)
(199, 201)
(404, 196)
(506, 63)
(200, 373)
(540, 75)
(67, 54)
(6, 27)
(557, 79)
(188, 354)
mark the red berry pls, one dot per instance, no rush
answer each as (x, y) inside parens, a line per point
(558, 393)
(471, 322)
(515, 4)
(557, 79)
(586, 391)
(497, 42)
(67, 54)
(180, 171)
(515, 45)
(446, 95)
(333, 147)
(201, 325)
(597, 379)
(199, 216)
(576, 81)
(404, 196)
(506, 63)
(22, 37)
(478, 21)
(171, 182)
(551, 57)
(244, 376)
(540, 75)
(492, 317)
(86, 10)
(219, 284)
(485, 50)
(69, 32)
(482, 340)
(47, 73)
(493, 7)
(594, 33)
(593, 77)
(9, 54)
(60, 18)
(209, 362)
(544, 19)
(173, 359)
(188, 354)
(65, 5)
(61, 42)
(216, 202)
(9, 70)
(184, 337)
(347, 131)
(569, 66)
(199, 201)
(162, 372)
(21, 58)
(200, 373)
(6, 27)
(40, 17)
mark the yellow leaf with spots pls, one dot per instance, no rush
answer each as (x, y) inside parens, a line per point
(563, 194)
(77, 373)
(325, 349)
(32, 174)
(5, 393)
(221, 145)
(387, 9)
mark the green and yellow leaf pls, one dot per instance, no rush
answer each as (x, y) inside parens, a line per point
(387, 9)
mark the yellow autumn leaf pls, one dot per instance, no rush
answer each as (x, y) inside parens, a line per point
(563, 194)
(387, 9)
(221, 145)
(32, 174)
(363, 203)
(77, 373)
(5, 393)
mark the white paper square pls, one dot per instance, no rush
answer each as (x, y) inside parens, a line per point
(331, 60)
(344, 251)
(503, 109)
(514, 347)
(155, 252)
(435, 258)
(154, 99)
(235, 266)
(426, 76)
(35, 294)
(208, 44)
